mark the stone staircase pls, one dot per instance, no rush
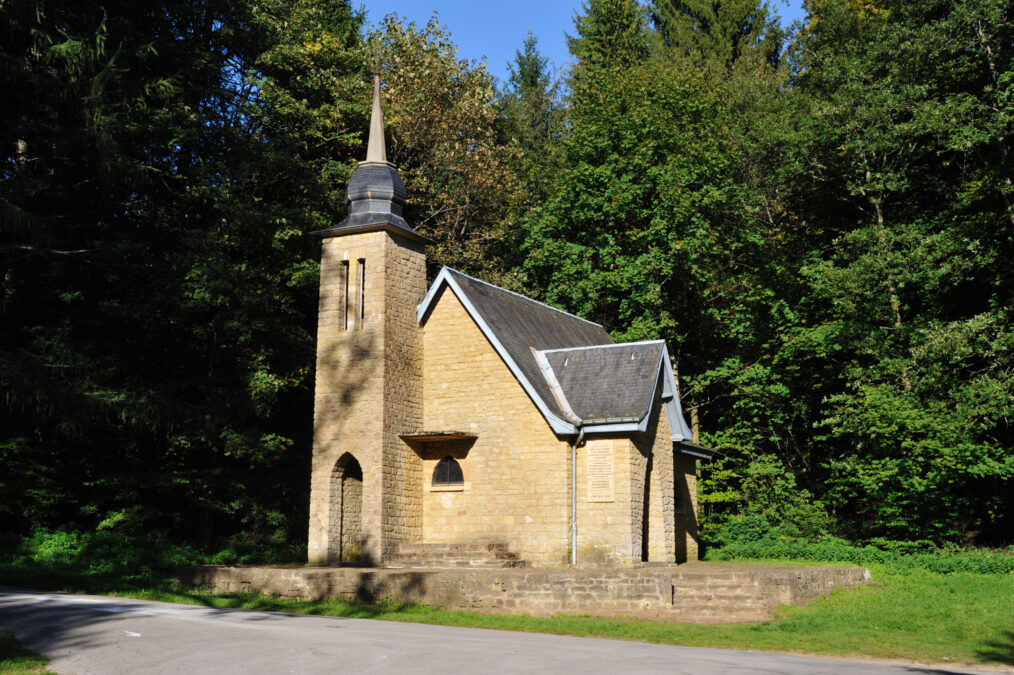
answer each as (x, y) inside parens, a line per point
(720, 598)
(478, 554)
(729, 593)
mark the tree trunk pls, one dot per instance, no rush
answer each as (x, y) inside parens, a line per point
(892, 289)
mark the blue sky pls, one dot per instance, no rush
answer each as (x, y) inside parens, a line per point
(496, 28)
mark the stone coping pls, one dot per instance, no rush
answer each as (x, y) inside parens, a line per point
(691, 593)
(683, 569)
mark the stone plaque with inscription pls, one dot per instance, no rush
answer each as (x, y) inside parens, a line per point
(599, 458)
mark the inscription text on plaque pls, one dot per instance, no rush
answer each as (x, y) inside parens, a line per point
(599, 457)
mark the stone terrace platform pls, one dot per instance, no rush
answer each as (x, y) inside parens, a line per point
(696, 592)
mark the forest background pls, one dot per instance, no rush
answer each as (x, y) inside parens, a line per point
(819, 221)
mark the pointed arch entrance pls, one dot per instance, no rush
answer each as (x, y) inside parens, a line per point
(345, 535)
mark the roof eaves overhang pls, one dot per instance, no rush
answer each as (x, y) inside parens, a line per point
(444, 278)
(680, 431)
(696, 450)
(674, 410)
(341, 229)
(554, 386)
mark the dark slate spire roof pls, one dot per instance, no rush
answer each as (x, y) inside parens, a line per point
(376, 194)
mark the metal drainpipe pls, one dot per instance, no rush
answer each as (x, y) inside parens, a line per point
(573, 494)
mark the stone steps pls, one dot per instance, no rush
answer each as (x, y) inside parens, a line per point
(477, 554)
(721, 597)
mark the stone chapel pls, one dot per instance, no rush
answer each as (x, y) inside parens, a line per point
(465, 417)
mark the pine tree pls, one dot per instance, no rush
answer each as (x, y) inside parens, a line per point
(533, 121)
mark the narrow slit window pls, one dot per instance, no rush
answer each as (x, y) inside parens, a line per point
(448, 472)
(362, 291)
(345, 294)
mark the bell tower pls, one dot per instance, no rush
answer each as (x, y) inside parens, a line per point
(364, 499)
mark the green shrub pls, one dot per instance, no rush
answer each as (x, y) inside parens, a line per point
(92, 560)
(740, 541)
(104, 560)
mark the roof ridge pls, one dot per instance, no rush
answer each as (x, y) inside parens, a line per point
(613, 344)
(523, 297)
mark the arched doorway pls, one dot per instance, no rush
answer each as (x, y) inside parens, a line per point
(345, 535)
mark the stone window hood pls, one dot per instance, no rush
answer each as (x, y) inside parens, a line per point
(416, 439)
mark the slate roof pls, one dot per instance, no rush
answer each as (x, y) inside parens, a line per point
(574, 373)
(376, 194)
(376, 199)
(522, 324)
(608, 384)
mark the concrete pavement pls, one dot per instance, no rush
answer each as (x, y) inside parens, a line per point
(95, 634)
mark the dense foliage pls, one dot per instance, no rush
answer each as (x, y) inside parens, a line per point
(819, 221)
(821, 234)
(752, 537)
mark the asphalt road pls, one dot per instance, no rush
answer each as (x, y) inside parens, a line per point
(94, 634)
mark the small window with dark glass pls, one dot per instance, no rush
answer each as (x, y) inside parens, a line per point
(448, 472)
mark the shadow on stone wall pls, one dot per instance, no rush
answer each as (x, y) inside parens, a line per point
(410, 587)
(353, 365)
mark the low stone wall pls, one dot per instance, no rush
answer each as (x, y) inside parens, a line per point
(696, 592)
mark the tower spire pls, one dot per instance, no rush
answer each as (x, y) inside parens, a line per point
(376, 151)
(376, 194)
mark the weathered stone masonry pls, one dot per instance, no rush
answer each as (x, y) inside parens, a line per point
(698, 592)
(498, 384)
(368, 388)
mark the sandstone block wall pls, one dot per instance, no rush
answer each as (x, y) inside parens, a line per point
(656, 445)
(368, 386)
(517, 478)
(404, 288)
(609, 532)
(687, 539)
(698, 593)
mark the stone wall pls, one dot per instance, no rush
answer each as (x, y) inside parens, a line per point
(608, 532)
(368, 387)
(656, 445)
(697, 592)
(687, 539)
(375, 368)
(404, 288)
(516, 473)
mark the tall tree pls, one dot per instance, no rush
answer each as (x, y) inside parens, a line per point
(718, 32)
(442, 123)
(156, 340)
(533, 121)
(611, 36)
(905, 320)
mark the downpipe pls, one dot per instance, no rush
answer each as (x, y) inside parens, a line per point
(573, 494)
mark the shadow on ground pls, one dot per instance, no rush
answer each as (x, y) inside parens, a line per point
(1000, 650)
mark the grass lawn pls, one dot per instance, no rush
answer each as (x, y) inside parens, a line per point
(918, 615)
(16, 659)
